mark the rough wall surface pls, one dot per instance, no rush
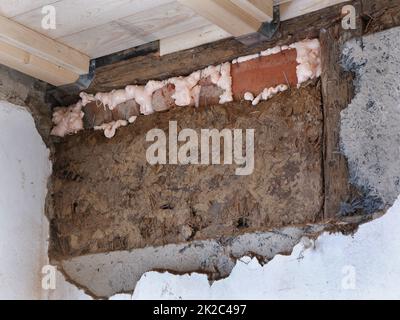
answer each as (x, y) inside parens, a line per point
(107, 197)
(105, 274)
(23, 90)
(370, 131)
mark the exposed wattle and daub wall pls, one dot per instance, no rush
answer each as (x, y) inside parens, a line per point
(107, 196)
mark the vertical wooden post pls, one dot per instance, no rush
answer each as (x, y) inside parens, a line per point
(337, 93)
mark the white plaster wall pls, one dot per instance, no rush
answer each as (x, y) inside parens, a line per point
(24, 170)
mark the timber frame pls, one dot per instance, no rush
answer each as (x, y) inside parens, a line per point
(337, 85)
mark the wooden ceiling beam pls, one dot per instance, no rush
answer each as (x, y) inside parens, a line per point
(226, 15)
(289, 9)
(34, 66)
(62, 64)
(192, 38)
(262, 10)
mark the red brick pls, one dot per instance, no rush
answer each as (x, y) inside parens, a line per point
(264, 72)
(126, 110)
(96, 114)
(209, 93)
(162, 99)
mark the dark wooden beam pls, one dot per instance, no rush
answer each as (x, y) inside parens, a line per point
(141, 69)
(379, 15)
(337, 92)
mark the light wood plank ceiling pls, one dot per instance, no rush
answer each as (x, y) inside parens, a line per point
(102, 27)
(88, 29)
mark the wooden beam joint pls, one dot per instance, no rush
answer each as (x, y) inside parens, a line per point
(39, 56)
